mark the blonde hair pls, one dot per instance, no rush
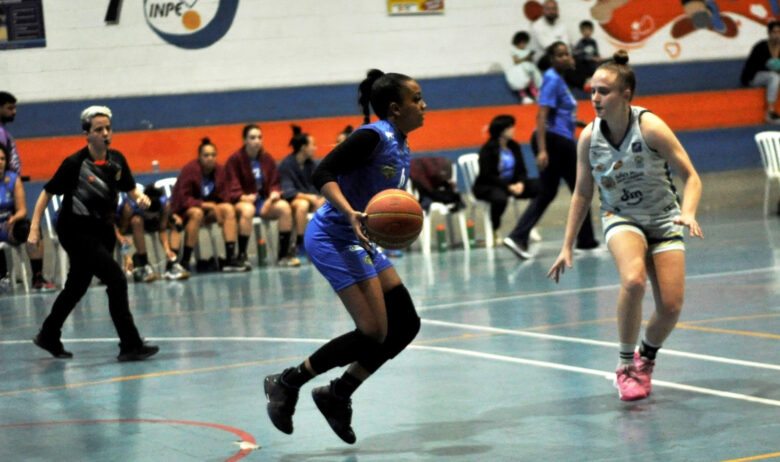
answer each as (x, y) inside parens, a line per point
(90, 113)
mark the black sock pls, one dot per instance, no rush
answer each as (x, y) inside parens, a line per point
(242, 242)
(299, 241)
(296, 376)
(648, 351)
(344, 386)
(4, 266)
(230, 250)
(284, 243)
(143, 259)
(186, 255)
(36, 265)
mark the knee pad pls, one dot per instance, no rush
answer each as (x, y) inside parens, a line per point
(403, 323)
(21, 231)
(344, 350)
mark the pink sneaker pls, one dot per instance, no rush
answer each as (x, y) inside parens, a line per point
(628, 385)
(644, 371)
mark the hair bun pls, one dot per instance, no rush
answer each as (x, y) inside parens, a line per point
(620, 57)
(296, 130)
(205, 140)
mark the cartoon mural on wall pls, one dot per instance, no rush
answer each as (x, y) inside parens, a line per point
(631, 23)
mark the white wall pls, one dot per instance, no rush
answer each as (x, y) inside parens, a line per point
(276, 43)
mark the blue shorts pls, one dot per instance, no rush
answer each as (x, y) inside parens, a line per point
(340, 258)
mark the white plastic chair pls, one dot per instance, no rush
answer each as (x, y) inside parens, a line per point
(442, 209)
(166, 185)
(60, 256)
(16, 259)
(469, 167)
(769, 147)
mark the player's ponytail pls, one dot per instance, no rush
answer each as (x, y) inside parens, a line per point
(379, 90)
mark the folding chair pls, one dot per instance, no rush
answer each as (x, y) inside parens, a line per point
(60, 256)
(16, 258)
(769, 147)
(166, 185)
(444, 210)
(469, 165)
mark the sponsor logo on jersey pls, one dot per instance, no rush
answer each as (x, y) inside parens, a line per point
(388, 171)
(631, 197)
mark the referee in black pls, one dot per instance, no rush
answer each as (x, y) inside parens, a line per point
(89, 182)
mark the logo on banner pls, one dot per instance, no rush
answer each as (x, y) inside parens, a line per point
(190, 24)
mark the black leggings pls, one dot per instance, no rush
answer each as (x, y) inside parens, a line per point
(562, 164)
(498, 197)
(90, 250)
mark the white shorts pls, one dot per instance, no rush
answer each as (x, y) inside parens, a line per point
(660, 235)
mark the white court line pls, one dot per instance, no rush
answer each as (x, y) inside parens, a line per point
(581, 370)
(455, 351)
(586, 341)
(556, 293)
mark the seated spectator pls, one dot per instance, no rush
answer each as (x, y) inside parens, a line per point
(156, 219)
(297, 188)
(200, 196)
(762, 69)
(545, 31)
(255, 190)
(344, 134)
(14, 225)
(502, 171)
(432, 178)
(523, 76)
(586, 57)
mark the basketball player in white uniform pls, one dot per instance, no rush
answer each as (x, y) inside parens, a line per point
(627, 152)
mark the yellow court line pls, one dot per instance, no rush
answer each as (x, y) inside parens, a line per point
(151, 375)
(735, 318)
(759, 457)
(715, 330)
(572, 324)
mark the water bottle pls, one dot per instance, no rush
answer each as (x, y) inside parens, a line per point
(441, 238)
(470, 233)
(261, 252)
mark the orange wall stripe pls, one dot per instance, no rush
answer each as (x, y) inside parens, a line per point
(443, 130)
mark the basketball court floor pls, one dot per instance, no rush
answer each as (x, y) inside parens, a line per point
(508, 366)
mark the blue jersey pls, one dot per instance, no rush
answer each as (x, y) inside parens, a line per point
(7, 198)
(555, 95)
(388, 168)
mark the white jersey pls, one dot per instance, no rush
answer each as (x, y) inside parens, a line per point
(633, 179)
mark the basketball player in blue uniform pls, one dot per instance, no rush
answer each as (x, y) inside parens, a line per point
(373, 158)
(628, 151)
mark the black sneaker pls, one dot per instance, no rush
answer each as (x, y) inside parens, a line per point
(281, 402)
(337, 411)
(54, 348)
(520, 249)
(233, 265)
(138, 353)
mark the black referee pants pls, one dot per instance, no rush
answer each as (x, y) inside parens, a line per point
(90, 249)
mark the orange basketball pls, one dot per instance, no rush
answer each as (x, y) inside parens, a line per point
(395, 219)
